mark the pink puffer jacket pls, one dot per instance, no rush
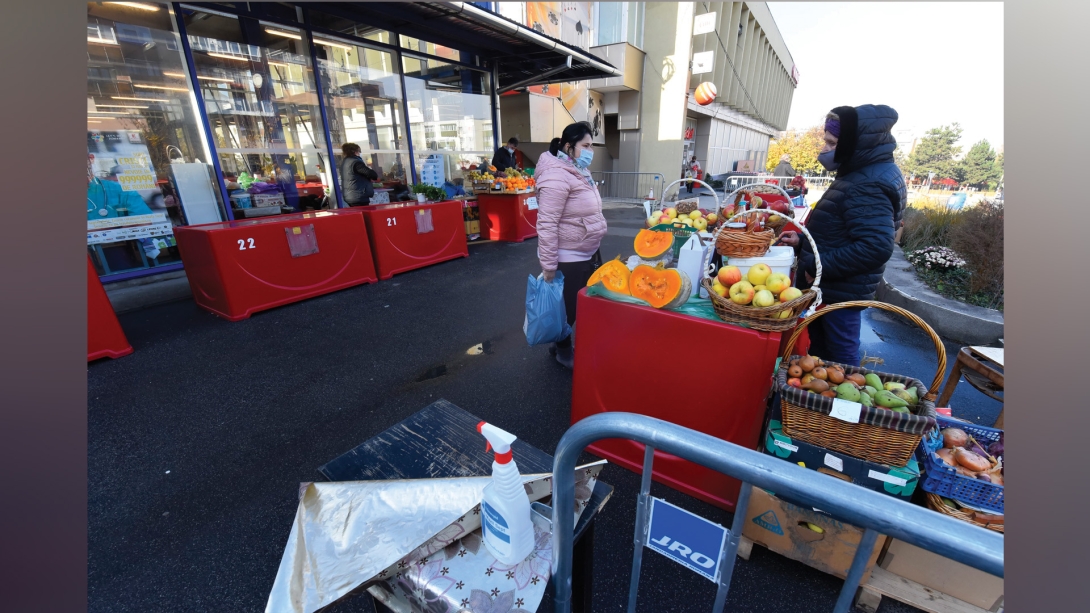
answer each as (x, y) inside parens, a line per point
(569, 215)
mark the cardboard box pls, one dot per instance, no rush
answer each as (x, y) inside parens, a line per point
(944, 575)
(897, 482)
(473, 227)
(781, 527)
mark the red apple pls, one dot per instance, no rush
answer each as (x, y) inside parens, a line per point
(729, 275)
(790, 294)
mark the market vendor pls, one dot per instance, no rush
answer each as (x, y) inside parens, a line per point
(357, 179)
(106, 199)
(853, 224)
(505, 156)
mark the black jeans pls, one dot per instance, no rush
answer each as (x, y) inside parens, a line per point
(576, 275)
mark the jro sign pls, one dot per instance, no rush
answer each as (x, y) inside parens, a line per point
(688, 539)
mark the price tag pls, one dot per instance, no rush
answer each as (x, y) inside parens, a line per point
(834, 463)
(531, 203)
(887, 478)
(845, 410)
(786, 446)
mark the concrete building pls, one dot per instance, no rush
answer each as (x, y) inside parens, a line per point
(649, 119)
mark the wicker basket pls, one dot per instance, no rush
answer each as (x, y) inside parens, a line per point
(744, 244)
(878, 437)
(934, 502)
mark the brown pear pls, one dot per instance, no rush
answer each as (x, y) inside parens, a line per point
(816, 385)
(829, 394)
(836, 376)
(794, 371)
(807, 378)
(807, 364)
(819, 372)
(857, 379)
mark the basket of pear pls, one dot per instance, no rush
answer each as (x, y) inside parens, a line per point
(875, 416)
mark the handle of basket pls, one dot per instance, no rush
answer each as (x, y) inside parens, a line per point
(817, 258)
(940, 350)
(662, 197)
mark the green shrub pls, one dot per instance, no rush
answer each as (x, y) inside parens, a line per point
(979, 241)
(927, 226)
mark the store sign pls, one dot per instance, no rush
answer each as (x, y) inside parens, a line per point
(704, 24)
(702, 62)
(117, 235)
(688, 539)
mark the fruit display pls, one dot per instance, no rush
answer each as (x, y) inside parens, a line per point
(962, 452)
(685, 207)
(659, 286)
(685, 214)
(759, 286)
(614, 275)
(830, 380)
(477, 176)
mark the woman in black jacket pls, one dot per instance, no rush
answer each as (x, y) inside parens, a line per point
(853, 224)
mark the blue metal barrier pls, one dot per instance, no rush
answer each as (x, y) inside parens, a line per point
(874, 512)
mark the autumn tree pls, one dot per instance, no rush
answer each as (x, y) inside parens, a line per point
(980, 166)
(803, 147)
(936, 152)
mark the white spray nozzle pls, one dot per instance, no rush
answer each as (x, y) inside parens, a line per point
(498, 440)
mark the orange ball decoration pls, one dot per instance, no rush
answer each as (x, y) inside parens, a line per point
(705, 93)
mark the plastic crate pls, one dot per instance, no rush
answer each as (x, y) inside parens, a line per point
(943, 480)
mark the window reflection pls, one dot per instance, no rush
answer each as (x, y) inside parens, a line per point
(262, 105)
(450, 116)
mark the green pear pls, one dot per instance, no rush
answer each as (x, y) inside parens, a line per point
(887, 400)
(901, 410)
(847, 391)
(865, 399)
(873, 381)
(871, 391)
(906, 396)
(894, 386)
(915, 393)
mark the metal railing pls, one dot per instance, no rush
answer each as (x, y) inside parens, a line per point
(628, 186)
(736, 182)
(874, 512)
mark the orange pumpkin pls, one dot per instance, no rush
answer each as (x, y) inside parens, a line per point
(660, 287)
(651, 245)
(614, 275)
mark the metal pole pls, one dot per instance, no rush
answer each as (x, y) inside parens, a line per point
(322, 110)
(855, 573)
(643, 507)
(730, 549)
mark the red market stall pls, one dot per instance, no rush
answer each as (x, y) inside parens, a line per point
(510, 218)
(705, 375)
(105, 338)
(237, 268)
(408, 236)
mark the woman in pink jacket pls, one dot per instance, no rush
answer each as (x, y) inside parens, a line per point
(570, 224)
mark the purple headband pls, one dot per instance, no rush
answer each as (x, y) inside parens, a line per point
(832, 126)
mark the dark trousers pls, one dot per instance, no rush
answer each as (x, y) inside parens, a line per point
(689, 187)
(834, 336)
(576, 275)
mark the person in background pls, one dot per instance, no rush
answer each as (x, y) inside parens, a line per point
(784, 168)
(570, 224)
(505, 156)
(853, 224)
(357, 180)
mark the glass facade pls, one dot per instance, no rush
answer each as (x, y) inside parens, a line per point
(235, 110)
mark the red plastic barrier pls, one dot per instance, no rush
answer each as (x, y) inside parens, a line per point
(105, 338)
(708, 376)
(510, 218)
(236, 268)
(396, 240)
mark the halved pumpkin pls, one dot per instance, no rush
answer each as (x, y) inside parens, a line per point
(660, 287)
(614, 276)
(652, 245)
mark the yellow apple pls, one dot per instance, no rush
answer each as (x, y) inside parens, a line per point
(777, 282)
(695, 215)
(790, 294)
(653, 220)
(763, 298)
(758, 288)
(785, 314)
(719, 288)
(672, 212)
(729, 275)
(700, 224)
(741, 293)
(758, 274)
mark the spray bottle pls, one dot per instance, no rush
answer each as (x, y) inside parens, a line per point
(505, 508)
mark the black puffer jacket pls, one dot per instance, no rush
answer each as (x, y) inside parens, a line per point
(854, 222)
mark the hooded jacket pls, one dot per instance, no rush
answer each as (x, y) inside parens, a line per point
(356, 181)
(854, 222)
(569, 215)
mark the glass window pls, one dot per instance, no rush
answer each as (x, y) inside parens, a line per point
(415, 44)
(262, 104)
(620, 22)
(362, 93)
(450, 116)
(147, 167)
(349, 27)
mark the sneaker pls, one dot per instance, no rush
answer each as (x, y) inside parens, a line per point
(566, 356)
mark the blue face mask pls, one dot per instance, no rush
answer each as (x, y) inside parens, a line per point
(826, 160)
(585, 158)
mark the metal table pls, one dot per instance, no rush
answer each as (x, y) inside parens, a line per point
(441, 441)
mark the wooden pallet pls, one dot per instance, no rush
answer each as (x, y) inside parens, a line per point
(884, 583)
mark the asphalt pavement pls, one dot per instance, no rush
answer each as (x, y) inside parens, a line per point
(198, 441)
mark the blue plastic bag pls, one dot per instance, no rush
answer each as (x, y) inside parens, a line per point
(546, 319)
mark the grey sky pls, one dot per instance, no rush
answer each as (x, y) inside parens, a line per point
(936, 63)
